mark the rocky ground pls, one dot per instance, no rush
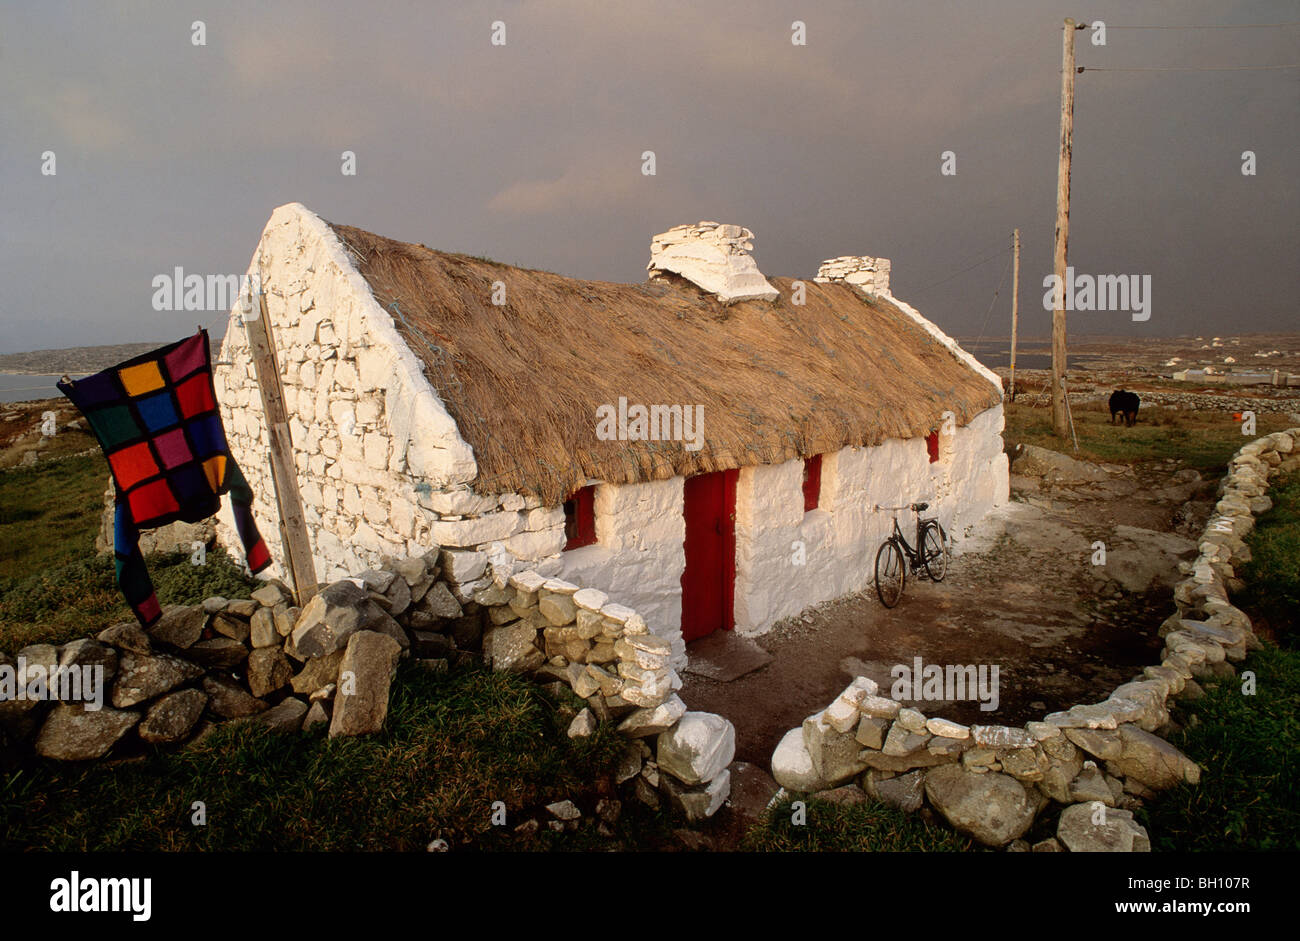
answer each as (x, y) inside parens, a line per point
(1026, 598)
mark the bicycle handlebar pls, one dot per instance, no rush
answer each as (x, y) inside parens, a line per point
(915, 507)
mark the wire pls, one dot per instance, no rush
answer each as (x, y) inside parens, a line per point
(935, 284)
(989, 313)
(1219, 26)
(1195, 68)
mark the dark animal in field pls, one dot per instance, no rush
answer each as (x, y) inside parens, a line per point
(1125, 405)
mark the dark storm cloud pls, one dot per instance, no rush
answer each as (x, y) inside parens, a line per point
(170, 154)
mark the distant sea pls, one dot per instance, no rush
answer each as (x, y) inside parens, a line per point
(994, 354)
(17, 388)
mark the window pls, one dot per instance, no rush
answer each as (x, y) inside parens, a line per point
(580, 518)
(812, 482)
(932, 445)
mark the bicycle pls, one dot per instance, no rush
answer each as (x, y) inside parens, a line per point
(930, 554)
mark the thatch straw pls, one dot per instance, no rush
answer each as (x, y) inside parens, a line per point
(777, 381)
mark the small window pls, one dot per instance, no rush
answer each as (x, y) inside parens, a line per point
(932, 445)
(812, 482)
(580, 518)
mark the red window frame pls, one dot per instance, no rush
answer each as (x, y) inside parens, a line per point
(580, 518)
(932, 445)
(812, 482)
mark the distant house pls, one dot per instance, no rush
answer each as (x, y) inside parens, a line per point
(707, 447)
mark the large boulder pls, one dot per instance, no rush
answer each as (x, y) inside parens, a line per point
(993, 808)
(698, 748)
(792, 765)
(1090, 828)
(365, 673)
(1032, 461)
(171, 718)
(1151, 761)
(73, 733)
(336, 613)
(143, 677)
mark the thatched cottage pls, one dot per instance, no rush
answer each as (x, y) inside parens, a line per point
(708, 446)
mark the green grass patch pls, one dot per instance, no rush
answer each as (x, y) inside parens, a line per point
(55, 587)
(49, 513)
(454, 744)
(79, 598)
(855, 828)
(1272, 575)
(1202, 440)
(1249, 794)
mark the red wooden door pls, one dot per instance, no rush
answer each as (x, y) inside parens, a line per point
(709, 579)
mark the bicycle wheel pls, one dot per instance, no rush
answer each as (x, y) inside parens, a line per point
(934, 550)
(890, 574)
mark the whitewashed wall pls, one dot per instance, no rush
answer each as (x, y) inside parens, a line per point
(384, 471)
(839, 539)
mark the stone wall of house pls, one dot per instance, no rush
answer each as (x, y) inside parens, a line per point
(384, 472)
(382, 469)
(1094, 763)
(787, 559)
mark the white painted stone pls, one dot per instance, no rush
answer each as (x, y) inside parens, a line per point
(714, 260)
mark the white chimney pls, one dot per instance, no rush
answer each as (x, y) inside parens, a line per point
(714, 258)
(870, 274)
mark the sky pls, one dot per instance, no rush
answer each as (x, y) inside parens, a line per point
(168, 153)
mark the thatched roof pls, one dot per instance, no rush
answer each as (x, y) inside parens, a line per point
(523, 381)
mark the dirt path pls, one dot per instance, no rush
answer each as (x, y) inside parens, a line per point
(1027, 600)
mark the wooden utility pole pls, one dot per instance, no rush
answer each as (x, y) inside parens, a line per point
(1015, 304)
(1060, 421)
(284, 472)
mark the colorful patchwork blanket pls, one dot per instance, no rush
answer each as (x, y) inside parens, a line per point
(156, 418)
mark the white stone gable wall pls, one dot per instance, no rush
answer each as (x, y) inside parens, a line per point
(373, 444)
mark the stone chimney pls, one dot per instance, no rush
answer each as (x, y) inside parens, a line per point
(714, 258)
(870, 274)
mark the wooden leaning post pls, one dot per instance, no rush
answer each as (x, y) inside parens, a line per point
(284, 472)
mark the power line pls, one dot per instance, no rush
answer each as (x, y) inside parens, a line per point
(1218, 26)
(935, 284)
(1193, 68)
(989, 313)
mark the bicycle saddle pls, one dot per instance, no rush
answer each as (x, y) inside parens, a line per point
(920, 506)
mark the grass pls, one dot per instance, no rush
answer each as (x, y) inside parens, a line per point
(55, 587)
(1248, 797)
(1272, 575)
(1202, 440)
(1249, 794)
(49, 513)
(453, 745)
(854, 828)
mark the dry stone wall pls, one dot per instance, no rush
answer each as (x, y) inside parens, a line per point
(265, 661)
(992, 781)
